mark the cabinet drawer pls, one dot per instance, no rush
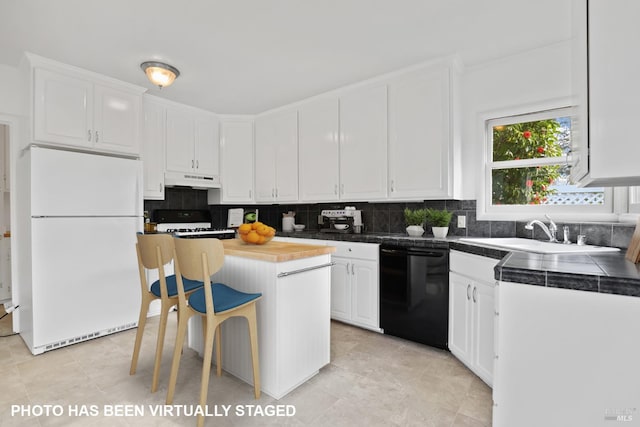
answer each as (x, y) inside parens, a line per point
(474, 266)
(369, 251)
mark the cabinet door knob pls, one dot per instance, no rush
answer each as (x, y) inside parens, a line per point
(192, 163)
(97, 136)
(89, 135)
(249, 194)
(468, 289)
(197, 164)
(475, 294)
(160, 187)
(335, 189)
(392, 186)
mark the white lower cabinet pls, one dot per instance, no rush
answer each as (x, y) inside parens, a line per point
(472, 312)
(566, 358)
(355, 290)
(341, 289)
(355, 281)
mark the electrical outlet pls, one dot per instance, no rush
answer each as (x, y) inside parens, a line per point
(462, 221)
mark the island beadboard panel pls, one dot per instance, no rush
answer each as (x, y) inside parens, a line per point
(294, 326)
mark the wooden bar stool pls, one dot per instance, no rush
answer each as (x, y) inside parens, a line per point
(154, 252)
(199, 259)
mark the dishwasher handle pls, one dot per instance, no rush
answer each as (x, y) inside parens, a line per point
(389, 251)
(403, 251)
(432, 253)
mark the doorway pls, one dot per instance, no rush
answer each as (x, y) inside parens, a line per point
(6, 293)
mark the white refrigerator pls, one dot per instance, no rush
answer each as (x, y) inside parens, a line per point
(85, 212)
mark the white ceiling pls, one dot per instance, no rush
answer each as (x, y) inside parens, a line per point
(247, 56)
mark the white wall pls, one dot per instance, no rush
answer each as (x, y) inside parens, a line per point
(532, 77)
(12, 100)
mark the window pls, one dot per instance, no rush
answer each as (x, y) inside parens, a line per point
(528, 165)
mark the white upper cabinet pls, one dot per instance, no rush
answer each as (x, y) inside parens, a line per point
(206, 144)
(180, 140)
(192, 142)
(397, 139)
(276, 157)
(420, 139)
(153, 149)
(236, 153)
(116, 119)
(319, 150)
(363, 143)
(63, 109)
(613, 92)
(74, 109)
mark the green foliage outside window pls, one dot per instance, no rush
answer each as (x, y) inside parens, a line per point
(528, 140)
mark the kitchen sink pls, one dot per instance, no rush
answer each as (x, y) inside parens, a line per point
(537, 246)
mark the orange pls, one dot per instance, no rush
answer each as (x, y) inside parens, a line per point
(272, 232)
(252, 237)
(244, 228)
(261, 240)
(263, 230)
(255, 225)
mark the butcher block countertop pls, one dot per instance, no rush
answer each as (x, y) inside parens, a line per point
(274, 251)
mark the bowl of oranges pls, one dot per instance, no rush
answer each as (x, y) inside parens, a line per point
(256, 233)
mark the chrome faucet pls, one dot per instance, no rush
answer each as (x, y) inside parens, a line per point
(549, 231)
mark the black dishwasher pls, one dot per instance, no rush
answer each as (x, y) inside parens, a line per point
(414, 293)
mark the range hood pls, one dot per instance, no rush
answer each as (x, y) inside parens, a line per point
(172, 179)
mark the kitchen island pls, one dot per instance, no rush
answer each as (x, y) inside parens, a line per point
(293, 314)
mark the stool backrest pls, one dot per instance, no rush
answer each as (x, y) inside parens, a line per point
(155, 250)
(194, 255)
(198, 259)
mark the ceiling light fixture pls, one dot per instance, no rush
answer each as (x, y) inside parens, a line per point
(159, 73)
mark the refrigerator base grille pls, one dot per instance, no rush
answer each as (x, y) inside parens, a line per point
(86, 337)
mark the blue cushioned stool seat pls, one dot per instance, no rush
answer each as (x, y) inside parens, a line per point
(172, 286)
(224, 298)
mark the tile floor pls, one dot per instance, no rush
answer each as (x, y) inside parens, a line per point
(372, 380)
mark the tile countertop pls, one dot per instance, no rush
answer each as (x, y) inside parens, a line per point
(607, 273)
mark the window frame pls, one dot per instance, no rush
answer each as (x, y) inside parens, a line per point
(539, 111)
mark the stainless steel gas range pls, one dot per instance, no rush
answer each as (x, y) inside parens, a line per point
(189, 223)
